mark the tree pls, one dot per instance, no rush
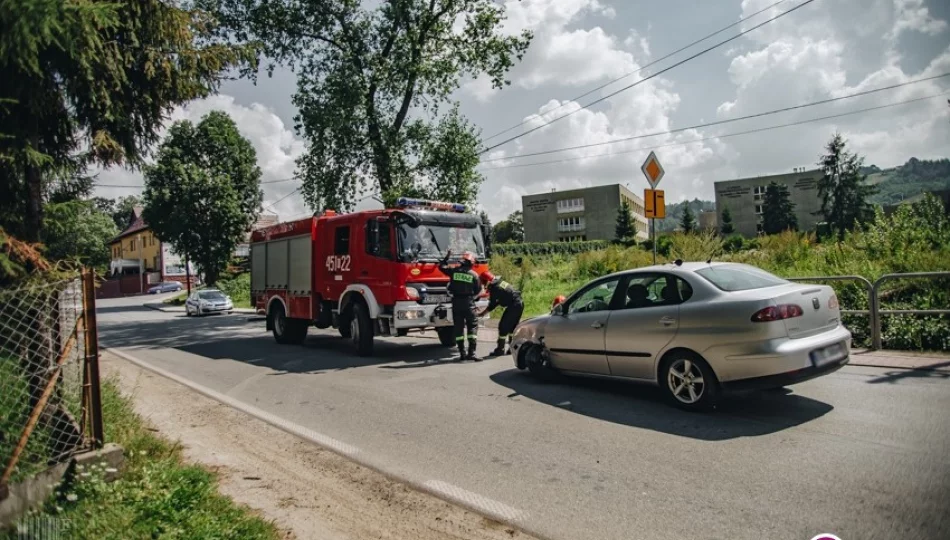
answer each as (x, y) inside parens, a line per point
(509, 230)
(76, 230)
(842, 189)
(371, 86)
(778, 211)
(727, 226)
(123, 210)
(625, 229)
(203, 193)
(688, 221)
(91, 82)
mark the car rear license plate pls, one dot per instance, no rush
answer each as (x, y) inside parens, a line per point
(827, 355)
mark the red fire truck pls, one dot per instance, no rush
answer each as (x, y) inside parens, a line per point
(370, 273)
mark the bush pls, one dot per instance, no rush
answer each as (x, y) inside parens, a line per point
(549, 248)
(238, 288)
(733, 244)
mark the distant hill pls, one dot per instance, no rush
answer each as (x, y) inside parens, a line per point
(674, 213)
(909, 180)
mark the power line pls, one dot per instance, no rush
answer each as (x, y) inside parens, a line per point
(711, 137)
(271, 205)
(720, 122)
(648, 77)
(638, 70)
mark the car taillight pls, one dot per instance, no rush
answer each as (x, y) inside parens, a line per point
(778, 313)
(833, 302)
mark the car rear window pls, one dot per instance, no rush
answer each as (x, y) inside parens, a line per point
(739, 278)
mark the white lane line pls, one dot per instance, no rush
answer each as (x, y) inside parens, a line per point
(489, 507)
(290, 427)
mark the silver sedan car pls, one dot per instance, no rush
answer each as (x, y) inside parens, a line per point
(208, 301)
(694, 329)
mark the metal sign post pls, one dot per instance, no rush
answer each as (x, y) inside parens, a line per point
(653, 201)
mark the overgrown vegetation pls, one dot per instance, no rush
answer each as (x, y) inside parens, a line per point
(549, 248)
(157, 496)
(914, 239)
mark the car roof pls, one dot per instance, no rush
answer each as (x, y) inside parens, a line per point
(672, 267)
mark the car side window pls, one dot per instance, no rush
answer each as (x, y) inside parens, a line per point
(341, 240)
(595, 298)
(651, 290)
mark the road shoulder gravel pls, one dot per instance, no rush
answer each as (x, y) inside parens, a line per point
(308, 491)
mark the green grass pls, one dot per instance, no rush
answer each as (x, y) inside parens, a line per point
(14, 413)
(157, 496)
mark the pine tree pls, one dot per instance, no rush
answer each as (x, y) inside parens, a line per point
(778, 211)
(844, 194)
(727, 226)
(625, 229)
(688, 222)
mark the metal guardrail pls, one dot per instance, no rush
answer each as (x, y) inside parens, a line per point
(876, 341)
(874, 301)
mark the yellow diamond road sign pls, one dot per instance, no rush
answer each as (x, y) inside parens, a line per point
(652, 170)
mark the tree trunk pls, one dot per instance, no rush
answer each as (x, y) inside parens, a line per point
(33, 223)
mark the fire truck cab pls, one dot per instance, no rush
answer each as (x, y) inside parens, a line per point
(370, 273)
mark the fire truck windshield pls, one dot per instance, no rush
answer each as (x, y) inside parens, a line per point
(431, 242)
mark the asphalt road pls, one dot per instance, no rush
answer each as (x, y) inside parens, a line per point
(863, 453)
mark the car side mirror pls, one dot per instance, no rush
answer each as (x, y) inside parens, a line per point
(558, 310)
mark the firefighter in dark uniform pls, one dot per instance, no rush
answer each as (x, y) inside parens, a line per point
(501, 293)
(464, 288)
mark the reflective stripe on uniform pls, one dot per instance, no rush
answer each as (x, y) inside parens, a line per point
(460, 338)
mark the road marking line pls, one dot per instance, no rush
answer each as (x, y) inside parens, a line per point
(484, 505)
(290, 427)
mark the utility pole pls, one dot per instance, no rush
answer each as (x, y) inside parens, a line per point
(187, 274)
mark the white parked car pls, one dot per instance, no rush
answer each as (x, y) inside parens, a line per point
(693, 329)
(208, 301)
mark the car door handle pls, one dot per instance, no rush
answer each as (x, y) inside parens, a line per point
(667, 321)
(597, 324)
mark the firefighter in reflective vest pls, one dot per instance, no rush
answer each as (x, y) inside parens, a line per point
(464, 288)
(501, 293)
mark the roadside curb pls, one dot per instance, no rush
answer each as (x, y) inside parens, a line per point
(473, 502)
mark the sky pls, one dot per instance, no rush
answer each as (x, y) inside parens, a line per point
(824, 50)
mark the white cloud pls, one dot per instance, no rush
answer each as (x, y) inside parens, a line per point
(276, 148)
(559, 54)
(912, 15)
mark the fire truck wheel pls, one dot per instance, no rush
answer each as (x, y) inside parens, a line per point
(287, 331)
(446, 336)
(361, 330)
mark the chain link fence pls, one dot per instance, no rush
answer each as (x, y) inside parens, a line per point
(49, 400)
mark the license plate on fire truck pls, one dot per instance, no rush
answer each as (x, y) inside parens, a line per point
(437, 299)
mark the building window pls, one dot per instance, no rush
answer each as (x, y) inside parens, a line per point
(759, 192)
(570, 224)
(758, 209)
(758, 228)
(570, 205)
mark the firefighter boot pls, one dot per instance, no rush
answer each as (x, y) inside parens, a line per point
(499, 350)
(471, 351)
(461, 347)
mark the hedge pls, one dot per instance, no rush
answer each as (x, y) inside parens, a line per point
(549, 248)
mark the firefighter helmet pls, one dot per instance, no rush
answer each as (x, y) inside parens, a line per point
(486, 277)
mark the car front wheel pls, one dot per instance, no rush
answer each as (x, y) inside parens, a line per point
(689, 382)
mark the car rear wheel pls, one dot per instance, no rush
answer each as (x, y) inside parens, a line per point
(689, 382)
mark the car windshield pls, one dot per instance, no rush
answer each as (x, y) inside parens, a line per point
(733, 278)
(434, 241)
(211, 295)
